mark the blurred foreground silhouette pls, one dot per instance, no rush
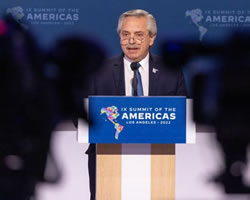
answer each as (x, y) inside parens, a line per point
(39, 89)
(220, 87)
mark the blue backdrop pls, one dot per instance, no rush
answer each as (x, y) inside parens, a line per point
(98, 19)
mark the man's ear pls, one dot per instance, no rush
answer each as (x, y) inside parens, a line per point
(152, 39)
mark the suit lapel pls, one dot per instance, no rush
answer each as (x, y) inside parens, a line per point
(119, 81)
(118, 76)
(153, 77)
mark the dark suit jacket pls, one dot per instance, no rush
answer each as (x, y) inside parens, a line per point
(164, 82)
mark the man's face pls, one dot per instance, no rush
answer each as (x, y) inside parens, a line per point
(135, 39)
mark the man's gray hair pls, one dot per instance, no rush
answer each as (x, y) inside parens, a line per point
(152, 28)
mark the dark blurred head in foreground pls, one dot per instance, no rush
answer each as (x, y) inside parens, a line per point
(220, 89)
(37, 92)
(76, 59)
(25, 120)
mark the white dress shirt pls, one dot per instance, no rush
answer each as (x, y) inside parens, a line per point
(129, 74)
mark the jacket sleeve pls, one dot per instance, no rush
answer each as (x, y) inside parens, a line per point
(181, 89)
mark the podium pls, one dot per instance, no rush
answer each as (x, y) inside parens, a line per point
(129, 169)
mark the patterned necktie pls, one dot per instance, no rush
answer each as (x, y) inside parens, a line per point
(137, 89)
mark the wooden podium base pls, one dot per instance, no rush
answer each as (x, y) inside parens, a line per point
(112, 170)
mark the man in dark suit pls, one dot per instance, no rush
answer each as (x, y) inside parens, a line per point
(137, 30)
(163, 81)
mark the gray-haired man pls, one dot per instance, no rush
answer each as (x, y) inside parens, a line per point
(137, 31)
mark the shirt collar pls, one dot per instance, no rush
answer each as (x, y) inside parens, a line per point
(143, 62)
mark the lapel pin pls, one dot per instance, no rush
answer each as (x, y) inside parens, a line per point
(155, 70)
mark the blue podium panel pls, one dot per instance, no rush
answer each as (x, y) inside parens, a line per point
(137, 119)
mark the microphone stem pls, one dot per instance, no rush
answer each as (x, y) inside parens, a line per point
(135, 84)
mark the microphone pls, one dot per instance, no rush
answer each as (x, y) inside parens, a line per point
(134, 67)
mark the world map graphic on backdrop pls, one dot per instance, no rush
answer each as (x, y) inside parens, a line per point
(197, 17)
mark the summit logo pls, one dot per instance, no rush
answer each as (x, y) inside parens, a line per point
(45, 16)
(216, 18)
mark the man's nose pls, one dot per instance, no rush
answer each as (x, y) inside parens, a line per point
(131, 40)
